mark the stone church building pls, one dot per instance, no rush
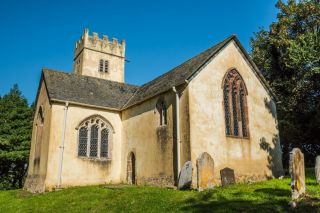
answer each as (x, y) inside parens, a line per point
(90, 127)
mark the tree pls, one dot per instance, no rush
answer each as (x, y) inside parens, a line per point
(15, 137)
(288, 54)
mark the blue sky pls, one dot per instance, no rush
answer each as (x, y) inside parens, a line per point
(159, 34)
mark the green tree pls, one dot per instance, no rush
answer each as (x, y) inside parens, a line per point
(15, 137)
(288, 54)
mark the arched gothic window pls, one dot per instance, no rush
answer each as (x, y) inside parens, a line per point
(94, 140)
(235, 105)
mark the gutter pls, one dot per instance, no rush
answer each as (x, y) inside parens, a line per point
(85, 105)
(61, 147)
(177, 128)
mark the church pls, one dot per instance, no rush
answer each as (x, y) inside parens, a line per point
(91, 128)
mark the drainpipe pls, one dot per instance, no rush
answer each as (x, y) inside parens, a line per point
(61, 147)
(177, 129)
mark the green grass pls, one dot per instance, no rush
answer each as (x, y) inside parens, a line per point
(267, 196)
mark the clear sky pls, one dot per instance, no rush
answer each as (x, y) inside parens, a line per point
(159, 34)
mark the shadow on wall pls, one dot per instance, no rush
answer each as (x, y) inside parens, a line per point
(271, 106)
(274, 155)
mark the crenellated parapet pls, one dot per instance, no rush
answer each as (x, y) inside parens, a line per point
(103, 44)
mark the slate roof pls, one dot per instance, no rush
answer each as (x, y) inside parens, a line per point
(176, 76)
(87, 90)
(115, 95)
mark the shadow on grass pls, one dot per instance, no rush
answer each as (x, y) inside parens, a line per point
(274, 192)
(262, 200)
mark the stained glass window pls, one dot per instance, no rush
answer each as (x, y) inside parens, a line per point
(234, 102)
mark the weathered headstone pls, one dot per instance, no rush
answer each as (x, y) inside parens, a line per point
(205, 172)
(185, 176)
(227, 176)
(297, 173)
(317, 169)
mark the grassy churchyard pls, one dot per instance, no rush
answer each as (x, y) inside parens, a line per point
(266, 196)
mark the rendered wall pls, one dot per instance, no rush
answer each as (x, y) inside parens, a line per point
(80, 170)
(154, 146)
(36, 177)
(255, 158)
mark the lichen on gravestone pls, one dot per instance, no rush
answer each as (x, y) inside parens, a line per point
(297, 173)
(185, 176)
(205, 172)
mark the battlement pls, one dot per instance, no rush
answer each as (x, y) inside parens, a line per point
(103, 44)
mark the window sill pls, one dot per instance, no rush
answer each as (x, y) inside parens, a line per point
(238, 137)
(95, 159)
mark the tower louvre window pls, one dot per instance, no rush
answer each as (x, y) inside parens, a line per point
(103, 66)
(106, 66)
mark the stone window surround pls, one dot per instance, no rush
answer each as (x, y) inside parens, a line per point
(88, 122)
(244, 92)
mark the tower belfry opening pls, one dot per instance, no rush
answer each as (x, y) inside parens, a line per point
(99, 57)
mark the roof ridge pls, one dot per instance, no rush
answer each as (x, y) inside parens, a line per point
(85, 76)
(229, 37)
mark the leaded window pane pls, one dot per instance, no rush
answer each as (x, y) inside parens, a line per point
(83, 138)
(104, 143)
(234, 110)
(243, 116)
(94, 141)
(226, 108)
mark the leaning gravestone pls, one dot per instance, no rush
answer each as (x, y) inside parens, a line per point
(227, 176)
(296, 167)
(317, 169)
(205, 172)
(185, 176)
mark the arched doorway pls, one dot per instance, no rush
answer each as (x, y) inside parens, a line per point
(131, 168)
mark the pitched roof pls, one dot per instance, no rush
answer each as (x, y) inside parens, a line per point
(187, 70)
(87, 90)
(176, 76)
(118, 96)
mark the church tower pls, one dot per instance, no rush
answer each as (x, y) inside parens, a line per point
(99, 58)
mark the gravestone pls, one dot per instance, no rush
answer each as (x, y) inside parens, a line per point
(185, 176)
(205, 172)
(297, 173)
(227, 176)
(317, 169)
